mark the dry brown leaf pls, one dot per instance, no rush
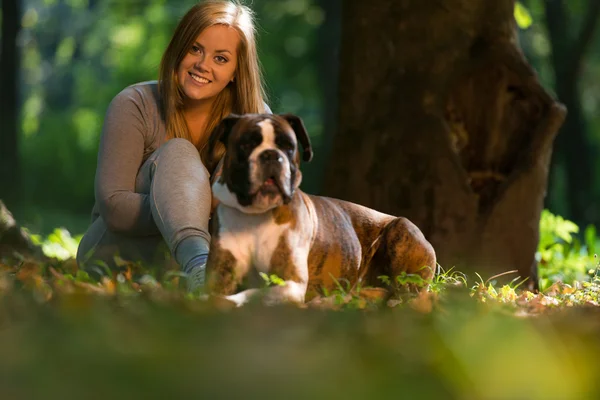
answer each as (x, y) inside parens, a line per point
(423, 302)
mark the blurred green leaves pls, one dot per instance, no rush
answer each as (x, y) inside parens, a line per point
(59, 244)
(522, 16)
(30, 18)
(64, 52)
(561, 255)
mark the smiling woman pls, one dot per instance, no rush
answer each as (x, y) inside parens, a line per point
(209, 66)
(153, 178)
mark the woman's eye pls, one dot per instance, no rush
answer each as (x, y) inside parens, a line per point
(221, 59)
(196, 49)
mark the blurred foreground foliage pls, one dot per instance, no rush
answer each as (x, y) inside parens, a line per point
(134, 333)
(65, 336)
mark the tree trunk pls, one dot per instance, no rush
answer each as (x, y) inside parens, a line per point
(573, 150)
(442, 120)
(9, 103)
(328, 52)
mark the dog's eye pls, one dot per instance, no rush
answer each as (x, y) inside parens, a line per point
(285, 144)
(287, 147)
(247, 147)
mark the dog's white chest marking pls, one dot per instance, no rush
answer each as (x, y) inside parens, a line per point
(251, 238)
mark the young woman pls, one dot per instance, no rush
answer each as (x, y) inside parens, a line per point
(153, 178)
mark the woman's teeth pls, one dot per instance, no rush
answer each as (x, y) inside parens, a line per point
(199, 79)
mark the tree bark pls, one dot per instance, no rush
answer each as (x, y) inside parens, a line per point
(9, 102)
(15, 243)
(442, 120)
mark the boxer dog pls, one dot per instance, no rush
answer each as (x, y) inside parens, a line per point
(265, 223)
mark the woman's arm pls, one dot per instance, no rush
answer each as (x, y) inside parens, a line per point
(119, 159)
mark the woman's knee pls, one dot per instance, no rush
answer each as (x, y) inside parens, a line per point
(178, 148)
(181, 152)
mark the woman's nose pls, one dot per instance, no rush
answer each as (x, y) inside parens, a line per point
(201, 63)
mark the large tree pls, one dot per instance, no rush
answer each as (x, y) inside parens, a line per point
(442, 120)
(9, 110)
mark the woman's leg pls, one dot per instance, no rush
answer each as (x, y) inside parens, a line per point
(99, 246)
(180, 197)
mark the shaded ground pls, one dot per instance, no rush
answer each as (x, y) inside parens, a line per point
(64, 336)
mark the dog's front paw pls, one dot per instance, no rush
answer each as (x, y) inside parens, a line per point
(241, 298)
(222, 303)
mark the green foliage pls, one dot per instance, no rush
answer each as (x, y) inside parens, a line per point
(522, 16)
(59, 244)
(561, 254)
(272, 279)
(432, 344)
(121, 336)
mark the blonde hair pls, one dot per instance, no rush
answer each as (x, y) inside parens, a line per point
(245, 95)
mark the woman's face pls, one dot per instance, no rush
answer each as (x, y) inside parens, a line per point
(210, 64)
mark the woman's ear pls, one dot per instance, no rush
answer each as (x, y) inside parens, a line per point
(301, 135)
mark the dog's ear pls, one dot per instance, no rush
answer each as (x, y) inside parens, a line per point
(220, 135)
(222, 131)
(301, 135)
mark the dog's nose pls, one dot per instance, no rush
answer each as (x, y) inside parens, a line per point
(271, 156)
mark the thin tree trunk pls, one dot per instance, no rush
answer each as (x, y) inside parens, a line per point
(9, 103)
(443, 121)
(572, 148)
(329, 65)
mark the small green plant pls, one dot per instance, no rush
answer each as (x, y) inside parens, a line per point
(561, 255)
(403, 280)
(272, 279)
(484, 290)
(448, 278)
(59, 244)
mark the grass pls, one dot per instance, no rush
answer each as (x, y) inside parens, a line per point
(64, 336)
(135, 334)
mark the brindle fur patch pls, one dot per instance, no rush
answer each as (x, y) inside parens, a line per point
(221, 273)
(282, 264)
(220, 266)
(284, 215)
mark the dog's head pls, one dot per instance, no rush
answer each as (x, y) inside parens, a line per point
(261, 166)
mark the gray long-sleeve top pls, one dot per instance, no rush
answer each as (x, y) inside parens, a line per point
(133, 129)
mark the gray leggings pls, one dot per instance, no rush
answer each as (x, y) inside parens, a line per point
(180, 200)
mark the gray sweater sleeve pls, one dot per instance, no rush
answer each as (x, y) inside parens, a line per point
(119, 158)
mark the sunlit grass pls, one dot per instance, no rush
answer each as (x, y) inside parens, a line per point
(134, 333)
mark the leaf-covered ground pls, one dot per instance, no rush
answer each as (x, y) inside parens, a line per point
(65, 336)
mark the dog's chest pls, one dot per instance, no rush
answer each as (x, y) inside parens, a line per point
(252, 239)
